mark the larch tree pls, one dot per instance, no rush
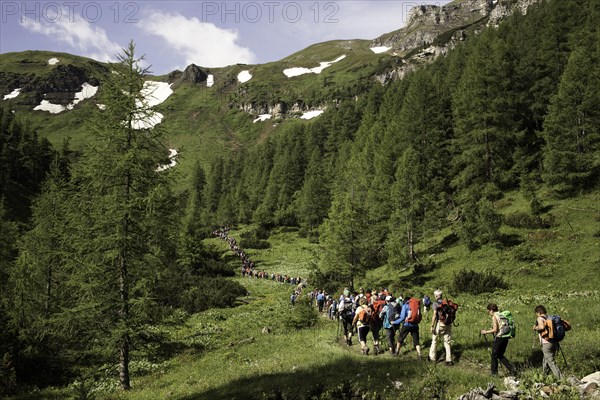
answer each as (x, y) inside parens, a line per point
(121, 220)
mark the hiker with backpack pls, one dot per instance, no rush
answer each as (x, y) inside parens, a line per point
(362, 321)
(346, 315)
(503, 330)
(376, 321)
(551, 332)
(389, 313)
(427, 303)
(441, 326)
(410, 318)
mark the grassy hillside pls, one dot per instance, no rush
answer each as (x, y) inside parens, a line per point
(228, 354)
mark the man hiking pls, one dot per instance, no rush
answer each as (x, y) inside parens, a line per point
(386, 316)
(346, 315)
(439, 328)
(549, 349)
(500, 341)
(410, 317)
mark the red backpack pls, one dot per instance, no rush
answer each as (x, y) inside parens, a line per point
(414, 311)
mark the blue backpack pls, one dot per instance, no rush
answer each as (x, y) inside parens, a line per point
(426, 301)
(556, 328)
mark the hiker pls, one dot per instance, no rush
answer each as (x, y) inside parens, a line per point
(362, 321)
(500, 341)
(333, 309)
(410, 318)
(377, 322)
(549, 349)
(438, 328)
(320, 300)
(426, 303)
(346, 315)
(387, 315)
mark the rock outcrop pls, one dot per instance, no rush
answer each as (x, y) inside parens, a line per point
(431, 31)
(192, 74)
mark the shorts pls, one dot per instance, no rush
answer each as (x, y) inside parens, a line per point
(363, 331)
(414, 332)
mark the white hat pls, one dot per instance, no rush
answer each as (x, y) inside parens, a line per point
(388, 298)
(437, 293)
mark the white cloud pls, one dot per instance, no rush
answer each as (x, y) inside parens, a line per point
(88, 40)
(200, 43)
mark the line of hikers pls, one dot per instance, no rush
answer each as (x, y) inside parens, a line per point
(248, 268)
(367, 312)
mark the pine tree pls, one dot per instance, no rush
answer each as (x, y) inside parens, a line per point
(120, 221)
(572, 127)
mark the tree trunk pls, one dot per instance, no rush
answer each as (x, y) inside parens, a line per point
(125, 339)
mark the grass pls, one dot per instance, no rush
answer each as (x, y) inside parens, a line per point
(253, 351)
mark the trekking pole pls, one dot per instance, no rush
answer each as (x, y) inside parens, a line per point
(487, 344)
(563, 354)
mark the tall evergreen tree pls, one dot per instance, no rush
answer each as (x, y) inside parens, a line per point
(572, 127)
(120, 221)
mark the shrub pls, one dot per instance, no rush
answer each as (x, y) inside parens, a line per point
(255, 239)
(420, 268)
(210, 292)
(477, 282)
(528, 221)
(302, 315)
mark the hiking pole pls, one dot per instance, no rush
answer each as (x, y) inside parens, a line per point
(487, 344)
(563, 354)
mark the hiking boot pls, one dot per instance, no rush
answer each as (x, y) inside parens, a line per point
(449, 363)
(376, 350)
(367, 352)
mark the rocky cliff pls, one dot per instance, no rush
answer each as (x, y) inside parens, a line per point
(432, 30)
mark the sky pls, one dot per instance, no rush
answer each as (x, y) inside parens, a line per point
(174, 34)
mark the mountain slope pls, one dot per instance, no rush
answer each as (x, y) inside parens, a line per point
(211, 121)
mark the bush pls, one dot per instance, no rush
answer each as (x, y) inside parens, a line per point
(420, 268)
(302, 315)
(477, 282)
(527, 221)
(210, 292)
(255, 239)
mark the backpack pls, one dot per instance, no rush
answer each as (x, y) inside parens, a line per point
(365, 314)
(377, 307)
(507, 325)
(446, 312)
(414, 311)
(426, 301)
(556, 328)
(393, 312)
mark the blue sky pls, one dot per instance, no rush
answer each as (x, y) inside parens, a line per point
(174, 34)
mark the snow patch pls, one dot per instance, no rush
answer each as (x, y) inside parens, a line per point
(311, 114)
(262, 117)
(210, 80)
(53, 61)
(146, 120)
(12, 94)
(172, 157)
(290, 72)
(380, 49)
(45, 105)
(244, 76)
(156, 93)
(87, 91)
